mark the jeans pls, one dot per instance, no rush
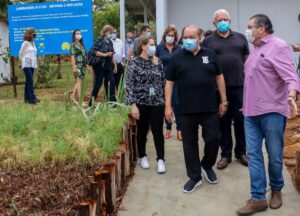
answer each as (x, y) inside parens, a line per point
(270, 127)
(151, 116)
(235, 99)
(210, 135)
(29, 96)
(99, 74)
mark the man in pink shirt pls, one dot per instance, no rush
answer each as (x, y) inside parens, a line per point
(270, 89)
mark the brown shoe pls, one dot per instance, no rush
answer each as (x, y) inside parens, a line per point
(253, 206)
(243, 159)
(222, 164)
(167, 134)
(275, 199)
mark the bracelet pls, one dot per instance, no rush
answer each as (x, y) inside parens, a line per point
(293, 97)
(225, 103)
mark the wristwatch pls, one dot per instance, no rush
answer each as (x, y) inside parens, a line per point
(293, 97)
(225, 103)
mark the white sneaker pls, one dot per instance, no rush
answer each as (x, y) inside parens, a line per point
(161, 166)
(144, 162)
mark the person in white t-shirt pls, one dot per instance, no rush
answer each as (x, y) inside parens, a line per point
(28, 58)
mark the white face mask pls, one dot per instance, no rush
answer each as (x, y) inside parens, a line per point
(249, 35)
(78, 37)
(151, 50)
(170, 39)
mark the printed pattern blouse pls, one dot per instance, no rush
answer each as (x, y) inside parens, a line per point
(145, 83)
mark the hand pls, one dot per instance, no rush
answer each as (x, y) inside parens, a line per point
(115, 69)
(296, 48)
(109, 53)
(169, 114)
(75, 69)
(293, 106)
(222, 109)
(135, 111)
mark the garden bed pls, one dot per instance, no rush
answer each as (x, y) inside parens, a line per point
(48, 155)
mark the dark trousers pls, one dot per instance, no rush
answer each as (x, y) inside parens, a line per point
(175, 104)
(235, 99)
(117, 78)
(210, 135)
(119, 74)
(29, 95)
(99, 74)
(151, 116)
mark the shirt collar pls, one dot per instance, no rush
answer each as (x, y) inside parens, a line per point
(267, 38)
(231, 33)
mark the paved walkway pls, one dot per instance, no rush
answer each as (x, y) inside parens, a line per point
(151, 194)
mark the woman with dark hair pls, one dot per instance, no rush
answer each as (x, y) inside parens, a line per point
(103, 48)
(78, 58)
(27, 55)
(145, 94)
(164, 52)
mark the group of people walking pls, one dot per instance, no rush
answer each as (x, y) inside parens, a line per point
(213, 81)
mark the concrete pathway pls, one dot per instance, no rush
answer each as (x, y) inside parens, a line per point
(151, 194)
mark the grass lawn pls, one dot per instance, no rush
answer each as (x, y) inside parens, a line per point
(47, 133)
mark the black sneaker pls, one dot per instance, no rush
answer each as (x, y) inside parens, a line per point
(210, 175)
(191, 185)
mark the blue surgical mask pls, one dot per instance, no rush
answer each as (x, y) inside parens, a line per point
(113, 36)
(189, 44)
(109, 36)
(223, 26)
(149, 34)
(129, 40)
(151, 50)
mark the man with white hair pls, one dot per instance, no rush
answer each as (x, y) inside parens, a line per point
(196, 73)
(232, 50)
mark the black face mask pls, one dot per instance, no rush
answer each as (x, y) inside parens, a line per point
(34, 35)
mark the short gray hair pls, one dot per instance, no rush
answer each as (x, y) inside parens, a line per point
(221, 11)
(199, 30)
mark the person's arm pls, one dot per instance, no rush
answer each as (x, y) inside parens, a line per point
(222, 91)
(23, 50)
(130, 91)
(73, 61)
(296, 48)
(284, 66)
(168, 97)
(115, 67)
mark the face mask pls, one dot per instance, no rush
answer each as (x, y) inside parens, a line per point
(34, 35)
(249, 36)
(151, 50)
(113, 36)
(78, 37)
(148, 34)
(170, 39)
(189, 44)
(129, 40)
(109, 36)
(223, 26)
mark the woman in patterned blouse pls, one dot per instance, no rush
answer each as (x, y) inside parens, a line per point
(103, 48)
(145, 94)
(78, 58)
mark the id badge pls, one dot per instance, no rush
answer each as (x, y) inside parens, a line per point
(151, 91)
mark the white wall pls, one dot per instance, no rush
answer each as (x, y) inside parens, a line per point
(283, 14)
(4, 68)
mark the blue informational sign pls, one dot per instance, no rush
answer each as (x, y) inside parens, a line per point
(54, 23)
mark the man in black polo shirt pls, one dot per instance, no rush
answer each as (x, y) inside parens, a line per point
(232, 50)
(196, 72)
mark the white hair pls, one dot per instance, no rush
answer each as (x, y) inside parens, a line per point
(221, 11)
